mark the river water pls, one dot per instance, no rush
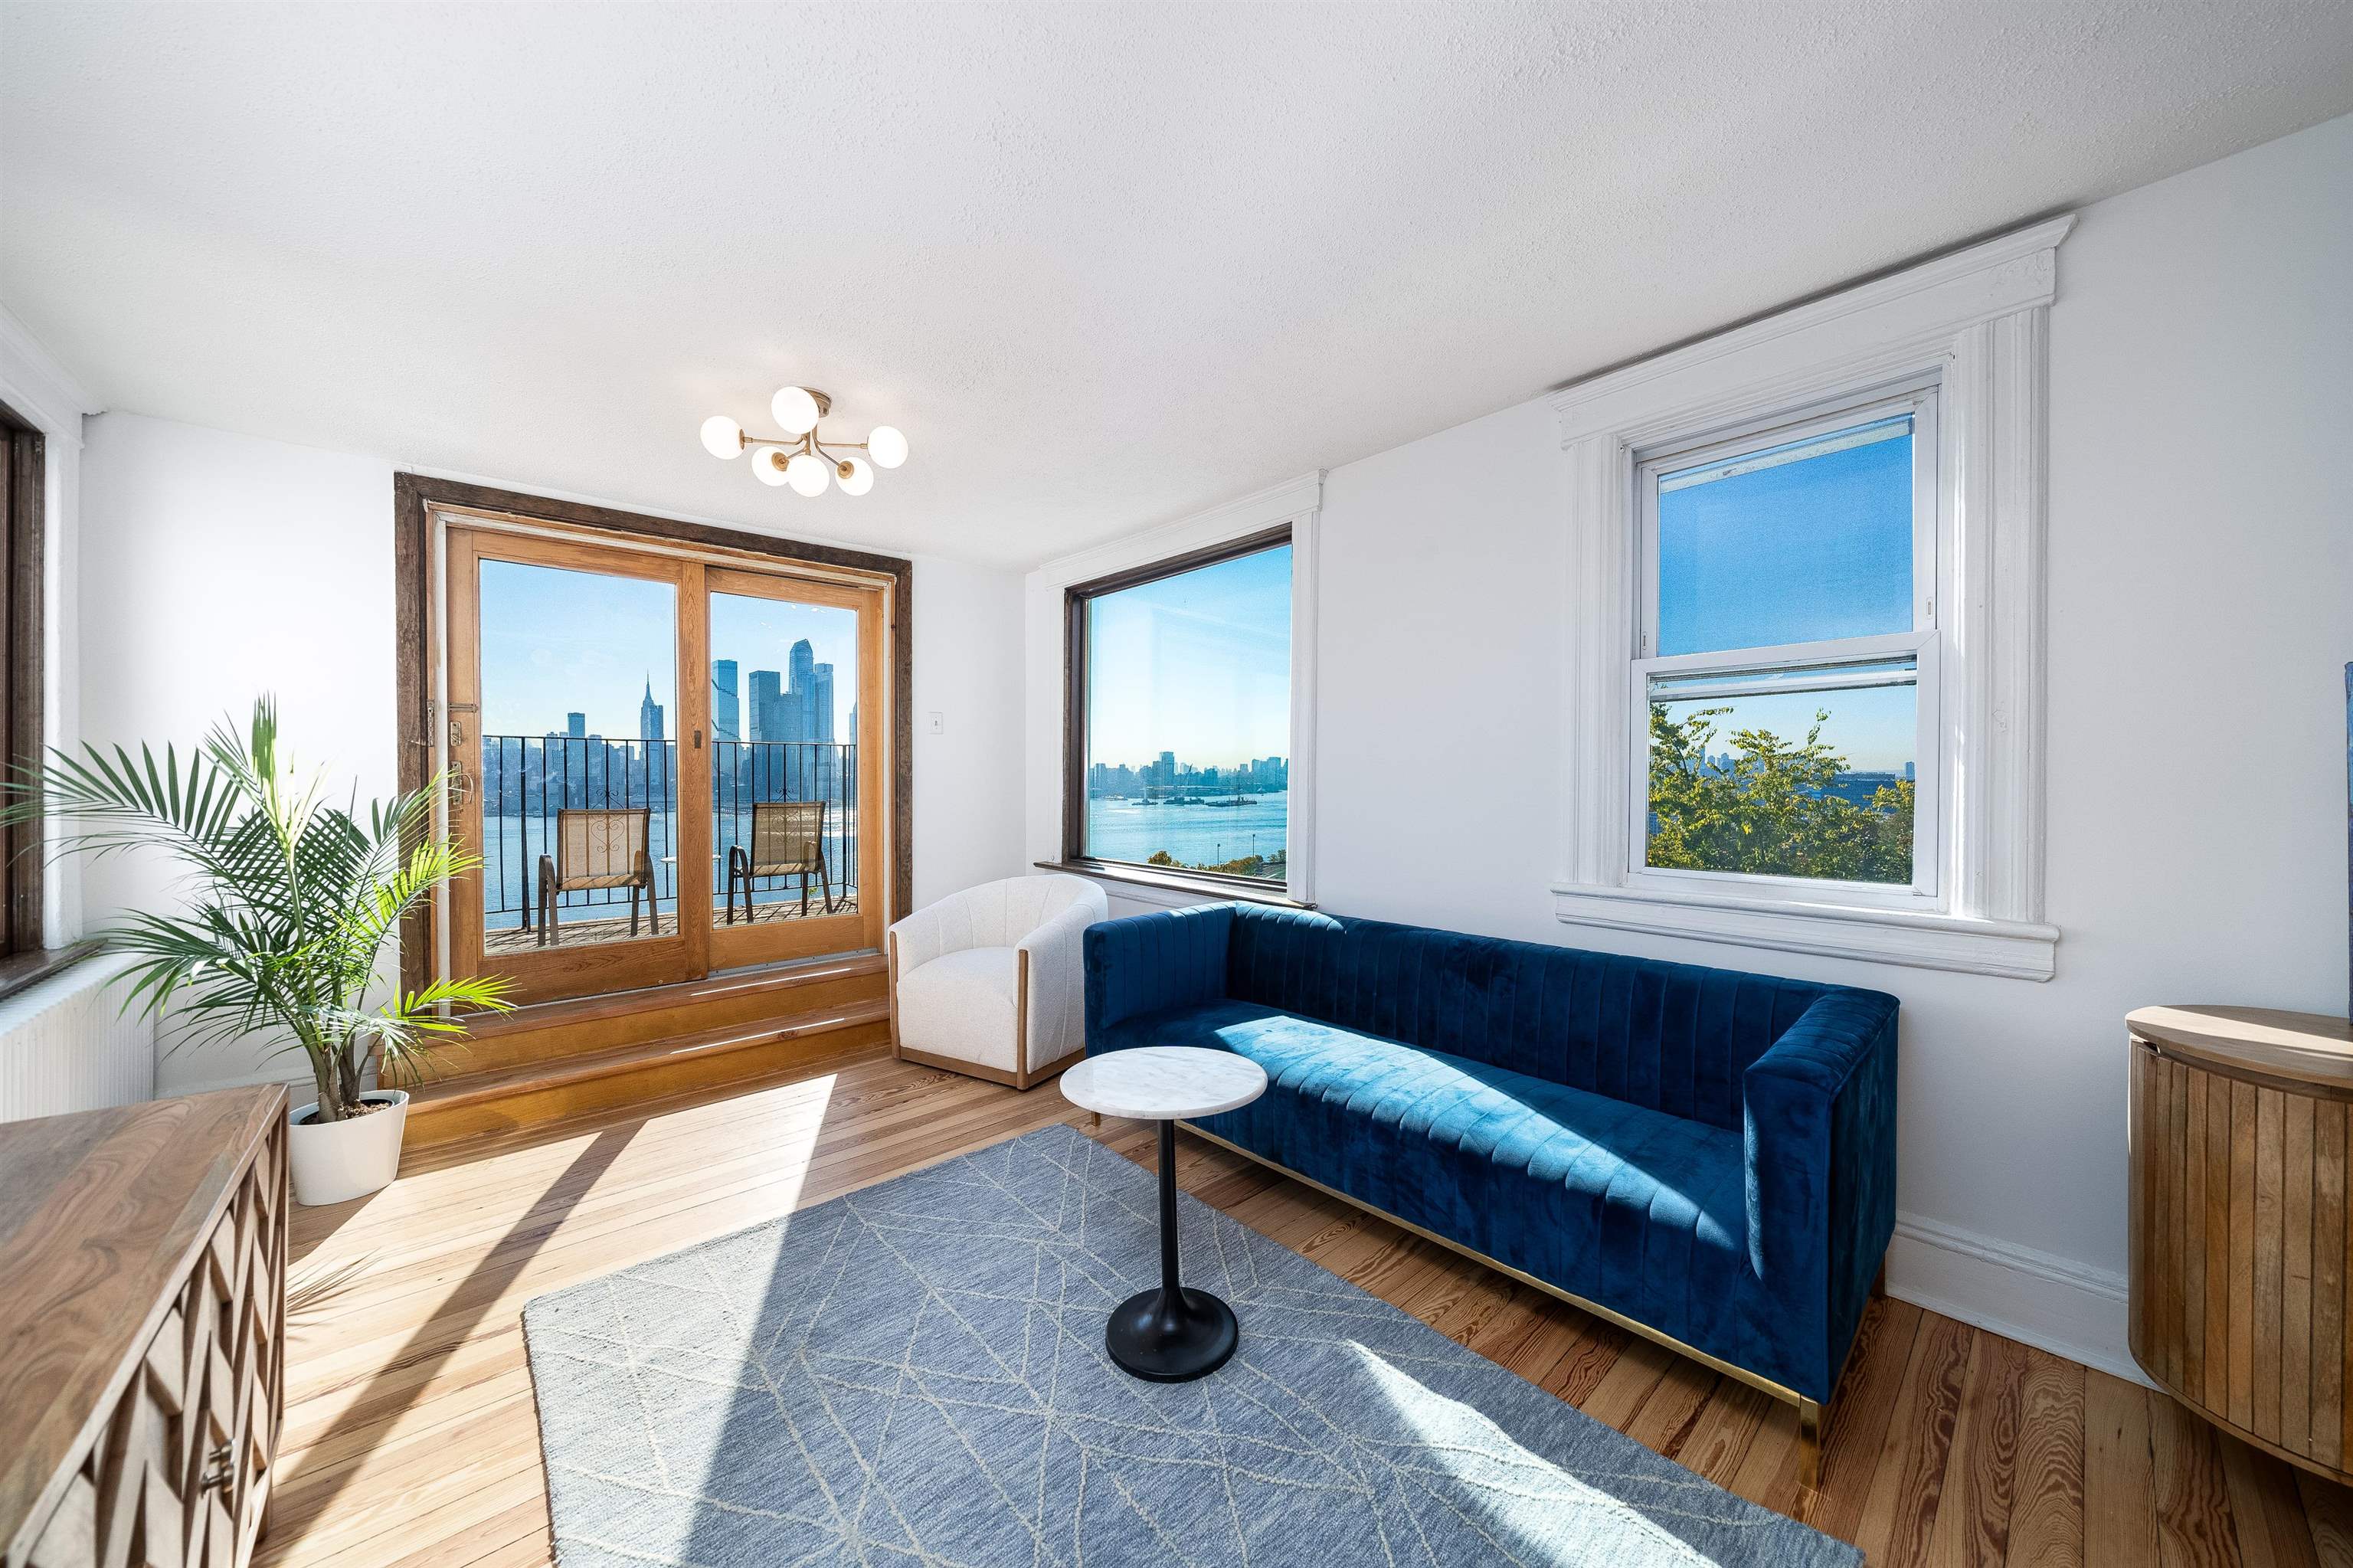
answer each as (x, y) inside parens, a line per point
(1193, 836)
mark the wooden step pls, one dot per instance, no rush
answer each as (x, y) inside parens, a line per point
(561, 1030)
(538, 1091)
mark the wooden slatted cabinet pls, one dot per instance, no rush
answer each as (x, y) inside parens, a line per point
(2242, 1240)
(143, 1312)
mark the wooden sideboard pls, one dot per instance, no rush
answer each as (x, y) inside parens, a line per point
(2241, 1235)
(143, 1312)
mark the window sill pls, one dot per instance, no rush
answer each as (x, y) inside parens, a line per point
(2012, 949)
(1198, 885)
(22, 972)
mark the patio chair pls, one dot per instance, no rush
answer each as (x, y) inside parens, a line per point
(787, 839)
(599, 848)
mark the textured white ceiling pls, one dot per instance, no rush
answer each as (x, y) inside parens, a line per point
(1104, 265)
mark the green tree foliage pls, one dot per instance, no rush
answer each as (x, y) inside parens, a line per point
(1269, 866)
(1773, 814)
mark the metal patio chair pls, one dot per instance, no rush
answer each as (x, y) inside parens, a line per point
(787, 838)
(610, 847)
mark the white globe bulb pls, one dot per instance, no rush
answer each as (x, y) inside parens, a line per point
(855, 476)
(795, 410)
(887, 447)
(722, 437)
(769, 463)
(808, 473)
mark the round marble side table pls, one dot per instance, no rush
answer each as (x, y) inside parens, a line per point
(1172, 1334)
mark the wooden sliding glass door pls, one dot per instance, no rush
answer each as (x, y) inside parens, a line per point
(796, 870)
(664, 763)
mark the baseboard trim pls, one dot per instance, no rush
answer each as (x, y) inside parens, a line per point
(2038, 1299)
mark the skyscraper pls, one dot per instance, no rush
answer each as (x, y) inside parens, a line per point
(821, 704)
(802, 695)
(726, 709)
(766, 715)
(577, 725)
(650, 715)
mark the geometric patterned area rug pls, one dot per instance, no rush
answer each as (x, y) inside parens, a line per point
(914, 1375)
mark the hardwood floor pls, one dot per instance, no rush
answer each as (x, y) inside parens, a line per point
(411, 1437)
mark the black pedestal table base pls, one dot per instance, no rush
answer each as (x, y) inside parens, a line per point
(1172, 1334)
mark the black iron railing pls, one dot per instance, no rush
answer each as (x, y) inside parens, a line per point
(526, 780)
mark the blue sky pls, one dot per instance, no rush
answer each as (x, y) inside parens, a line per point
(1198, 664)
(759, 634)
(555, 641)
(1796, 544)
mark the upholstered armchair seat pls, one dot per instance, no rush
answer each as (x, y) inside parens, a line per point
(990, 981)
(1707, 1154)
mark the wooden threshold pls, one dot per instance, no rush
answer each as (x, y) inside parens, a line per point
(537, 1038)
(767, 981)
(554, 1089)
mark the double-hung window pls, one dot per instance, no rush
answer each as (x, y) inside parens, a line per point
(1805, 640)
(1784, 684)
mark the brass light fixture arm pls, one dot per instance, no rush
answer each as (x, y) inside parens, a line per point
(808, 441)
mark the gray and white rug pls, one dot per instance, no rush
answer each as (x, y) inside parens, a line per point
(914, 1374)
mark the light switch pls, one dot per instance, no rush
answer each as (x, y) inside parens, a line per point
(938, 722)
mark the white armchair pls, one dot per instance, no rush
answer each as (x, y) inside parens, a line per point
(990, 981)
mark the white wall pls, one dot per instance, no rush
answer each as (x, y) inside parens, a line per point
(218, 565)
(2201, 615)
(968, 776)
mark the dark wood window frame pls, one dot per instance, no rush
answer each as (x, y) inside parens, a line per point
(413, 498)
(1075, 597)
(23, 482)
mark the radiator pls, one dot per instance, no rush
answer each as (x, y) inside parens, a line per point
(66, 1046)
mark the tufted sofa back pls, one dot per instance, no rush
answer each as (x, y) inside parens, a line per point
(1673, 1037)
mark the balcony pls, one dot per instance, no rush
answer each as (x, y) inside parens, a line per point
(527, 780)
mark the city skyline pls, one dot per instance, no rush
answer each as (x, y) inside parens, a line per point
(556, 641)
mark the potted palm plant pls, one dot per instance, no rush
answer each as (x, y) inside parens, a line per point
(288, 904)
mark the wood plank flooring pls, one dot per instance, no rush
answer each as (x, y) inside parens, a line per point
(411, 1437)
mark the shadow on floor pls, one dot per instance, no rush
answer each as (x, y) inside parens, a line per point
(404, 1375)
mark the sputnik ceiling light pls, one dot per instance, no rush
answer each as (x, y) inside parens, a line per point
(801, 457)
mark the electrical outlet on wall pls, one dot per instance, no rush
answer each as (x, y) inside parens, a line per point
(937, 722)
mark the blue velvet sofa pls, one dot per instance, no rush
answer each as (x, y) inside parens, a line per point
(1707, 1154)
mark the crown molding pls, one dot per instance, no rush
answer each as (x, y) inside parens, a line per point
(1260, 509)
(34, 384)
(1933, 300)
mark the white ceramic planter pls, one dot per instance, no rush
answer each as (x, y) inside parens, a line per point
(335, 1161)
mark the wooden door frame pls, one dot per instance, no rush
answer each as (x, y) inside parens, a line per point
(555, 973)
(728, 943)
(414, 497)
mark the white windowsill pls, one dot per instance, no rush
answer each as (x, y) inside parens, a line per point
(2012, 950)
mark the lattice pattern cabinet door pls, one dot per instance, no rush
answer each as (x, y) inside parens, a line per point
(176, 1468)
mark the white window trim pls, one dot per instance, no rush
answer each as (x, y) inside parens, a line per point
(1296, 503)
(1977, 320)
(1918, 398)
